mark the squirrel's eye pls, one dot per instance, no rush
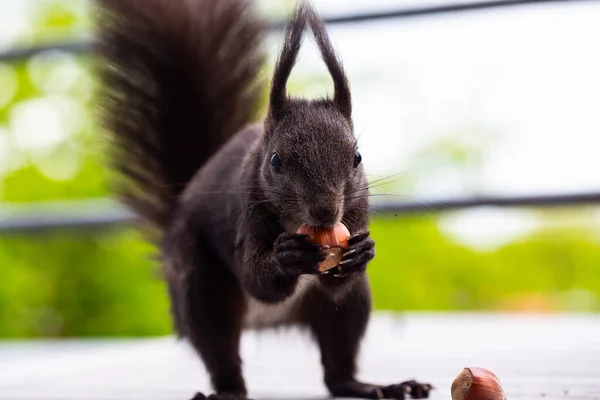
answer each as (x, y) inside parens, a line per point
(357, 159)
(276, 163)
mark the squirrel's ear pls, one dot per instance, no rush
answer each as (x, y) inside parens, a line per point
(342, 97)
(304, 13)
(286, 60)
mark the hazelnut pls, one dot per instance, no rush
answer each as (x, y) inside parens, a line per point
(476, 383)
(333, 240)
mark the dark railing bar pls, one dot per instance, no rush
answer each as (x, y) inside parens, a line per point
(75, 47)
(497, 202)
(77, 214)
(88, 214)
(408, 12)
(82, 46)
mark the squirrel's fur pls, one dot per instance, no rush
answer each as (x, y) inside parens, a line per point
(224, 193)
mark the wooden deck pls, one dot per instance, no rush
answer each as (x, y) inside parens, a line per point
(535, 357)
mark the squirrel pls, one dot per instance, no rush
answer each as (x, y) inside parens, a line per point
(222, 189)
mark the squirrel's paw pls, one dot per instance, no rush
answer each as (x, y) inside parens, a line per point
(400, 391)
(224, 396)
(297, 255)
(361, 250)
(412, 389)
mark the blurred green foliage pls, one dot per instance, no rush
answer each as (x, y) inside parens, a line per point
(69, 284)
(102, 283)
(418, 267)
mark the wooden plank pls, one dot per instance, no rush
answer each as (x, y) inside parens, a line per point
(536, 357)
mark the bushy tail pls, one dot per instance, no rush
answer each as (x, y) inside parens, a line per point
(177, 79)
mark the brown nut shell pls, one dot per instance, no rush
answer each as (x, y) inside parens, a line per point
(475, 383)
(336, 238)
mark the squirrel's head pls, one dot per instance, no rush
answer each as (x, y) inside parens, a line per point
(311, 164)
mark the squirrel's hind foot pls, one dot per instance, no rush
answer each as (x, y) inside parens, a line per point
(361, 390)
(222, 396)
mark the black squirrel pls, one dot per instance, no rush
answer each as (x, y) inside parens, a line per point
(223, 193)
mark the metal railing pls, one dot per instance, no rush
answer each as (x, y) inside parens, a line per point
(82, 47)
(105, 213)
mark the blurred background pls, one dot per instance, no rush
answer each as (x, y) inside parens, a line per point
(494, 102)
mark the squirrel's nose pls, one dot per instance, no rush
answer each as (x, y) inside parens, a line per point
(325, 215)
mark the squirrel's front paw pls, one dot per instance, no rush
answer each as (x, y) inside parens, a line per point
(361, 250)
(297, 255)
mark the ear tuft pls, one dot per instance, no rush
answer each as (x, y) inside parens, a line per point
(342, 96)
(287, 59)
(306, 14)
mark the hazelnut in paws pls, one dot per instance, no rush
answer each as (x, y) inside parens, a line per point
(333, 240)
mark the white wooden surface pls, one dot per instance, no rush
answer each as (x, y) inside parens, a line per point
(535, 357)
